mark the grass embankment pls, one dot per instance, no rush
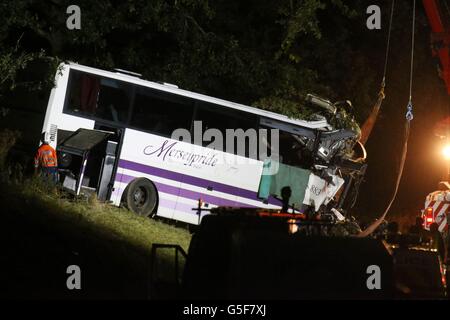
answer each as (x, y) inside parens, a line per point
(43, 233)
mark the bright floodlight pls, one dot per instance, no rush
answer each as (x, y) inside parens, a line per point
(446, 152)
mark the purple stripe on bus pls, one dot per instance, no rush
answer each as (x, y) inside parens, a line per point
(126, 178)
(217, 186)
(199, 182)
(183, 207)
(193, 195)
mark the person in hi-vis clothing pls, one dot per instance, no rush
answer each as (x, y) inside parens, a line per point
(45, 161)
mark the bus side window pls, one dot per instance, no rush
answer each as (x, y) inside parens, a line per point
(97, 97)
(113, 101)
(160, 112)
(223, 118)
(83, 93)
(290, 151)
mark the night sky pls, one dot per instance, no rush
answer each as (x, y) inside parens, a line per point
(425, 166)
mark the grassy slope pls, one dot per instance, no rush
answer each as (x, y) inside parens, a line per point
(42, 234)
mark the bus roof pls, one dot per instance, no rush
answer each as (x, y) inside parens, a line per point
(319, 124)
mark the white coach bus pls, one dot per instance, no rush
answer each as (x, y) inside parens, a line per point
(113, 131)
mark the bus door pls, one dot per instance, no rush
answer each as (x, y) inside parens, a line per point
(109, 160)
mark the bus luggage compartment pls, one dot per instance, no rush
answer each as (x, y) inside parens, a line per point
(235, 257)
(86, 162)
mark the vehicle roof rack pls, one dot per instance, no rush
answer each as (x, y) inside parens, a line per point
(130, 73)
(168, 84)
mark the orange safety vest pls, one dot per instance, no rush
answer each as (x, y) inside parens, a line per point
(45, 157)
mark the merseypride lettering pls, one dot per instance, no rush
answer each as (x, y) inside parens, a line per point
(168, 150)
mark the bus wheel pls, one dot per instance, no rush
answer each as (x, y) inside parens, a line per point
(142, 197)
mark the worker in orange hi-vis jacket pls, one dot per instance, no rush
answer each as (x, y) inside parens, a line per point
(46, 161)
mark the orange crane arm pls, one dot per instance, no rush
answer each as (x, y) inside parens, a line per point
(440, 27)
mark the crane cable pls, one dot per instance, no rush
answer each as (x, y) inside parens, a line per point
(409, 117)
(388, 46)
(381, 94)
(366, 129)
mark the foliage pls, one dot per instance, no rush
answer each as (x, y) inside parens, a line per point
(15, 63)
(7, 140)
(269, 57)
(13, 60)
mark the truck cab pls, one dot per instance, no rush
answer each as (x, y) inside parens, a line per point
(437, 207)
